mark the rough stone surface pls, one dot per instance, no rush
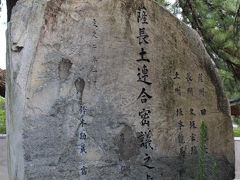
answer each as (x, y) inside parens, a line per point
(74, 101)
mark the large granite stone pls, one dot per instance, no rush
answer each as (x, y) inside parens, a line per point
(112, 89)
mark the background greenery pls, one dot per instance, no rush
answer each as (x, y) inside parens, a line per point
(236, 132)
(2, 116)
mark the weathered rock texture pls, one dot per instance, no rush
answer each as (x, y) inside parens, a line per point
(111, 89)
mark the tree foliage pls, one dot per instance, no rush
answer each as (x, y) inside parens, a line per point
(218, 23)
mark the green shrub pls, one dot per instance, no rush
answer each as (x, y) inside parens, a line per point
(2, 116)
(236, 132)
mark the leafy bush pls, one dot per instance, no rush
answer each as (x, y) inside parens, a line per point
(236, 132)
(2, 116)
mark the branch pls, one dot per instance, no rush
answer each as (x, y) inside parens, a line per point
(190, 11)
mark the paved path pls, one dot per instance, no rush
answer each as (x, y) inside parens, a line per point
(237, 158)
(3, 159)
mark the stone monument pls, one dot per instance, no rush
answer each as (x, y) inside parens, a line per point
(112, 90)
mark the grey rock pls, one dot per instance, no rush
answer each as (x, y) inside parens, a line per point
(111, 90)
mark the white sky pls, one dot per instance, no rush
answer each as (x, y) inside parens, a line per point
(171, 1)
(3, 27)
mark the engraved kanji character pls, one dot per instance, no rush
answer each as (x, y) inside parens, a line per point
(192, 112)
(83, 110)
(193, 137)
(176, 76)
(144, 96)
(203, 112)
(189, 77)
(179, 112)
(94, 59)
(143, 75)
(142, 36)
(194, 150)
(149, 177)
(178, 90)
(83, 148)
(181, 139)
(95, 23)
(147, 159)
(82, 136)
(142, 15)
(142, 54)
(95, 34)
(145, 139)
(144, 114)
(182, 152)
(94, 68)
(82, 122)
(180, 125)
(192, 125)
(84, 170)
(200, 77)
